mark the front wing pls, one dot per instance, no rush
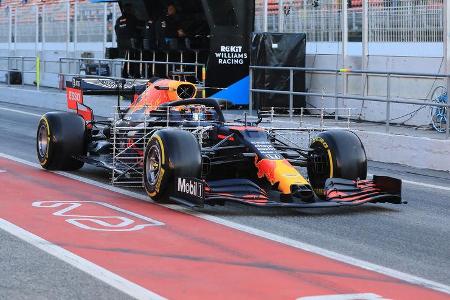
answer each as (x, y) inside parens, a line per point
(338, 192)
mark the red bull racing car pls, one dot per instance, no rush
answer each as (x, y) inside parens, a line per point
(181, 148)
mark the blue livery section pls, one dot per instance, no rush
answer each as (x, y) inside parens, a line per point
(237, 93)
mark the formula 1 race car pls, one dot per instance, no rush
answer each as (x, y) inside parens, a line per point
(181, 148)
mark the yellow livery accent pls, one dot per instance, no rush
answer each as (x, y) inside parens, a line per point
(48, 141)
(281, 172)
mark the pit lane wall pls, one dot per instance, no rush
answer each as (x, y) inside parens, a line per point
(418, 152)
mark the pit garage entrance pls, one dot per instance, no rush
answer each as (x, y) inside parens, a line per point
(216, 33)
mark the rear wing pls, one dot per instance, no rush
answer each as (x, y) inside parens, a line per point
(80, 86)
(108, 86)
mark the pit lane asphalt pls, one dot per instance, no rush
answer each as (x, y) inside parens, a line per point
(412, 238)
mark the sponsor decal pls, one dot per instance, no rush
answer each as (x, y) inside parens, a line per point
(158, 182)
(267, 150)
(330, 158)
(190, 188)
(74, 97)
(322, 141)
(231, 55)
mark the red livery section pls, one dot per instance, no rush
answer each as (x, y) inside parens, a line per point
(173, 254)
(74, 97)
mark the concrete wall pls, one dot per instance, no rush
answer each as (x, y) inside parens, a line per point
(418, 152)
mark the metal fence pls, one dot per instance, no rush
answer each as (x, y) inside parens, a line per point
(389, 20)
(388, 99)
(55, 22)
(4, 25)
(94, 22)
(166, 69)
(320, 23)
(342, 112)
(26, 66)
(406, 21)
(25, 24)
(57, 26)
(66, 68)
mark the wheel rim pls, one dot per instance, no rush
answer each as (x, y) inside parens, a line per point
(43, 140)
(439, 119)
(439, 114)
(153, 165)
(320, 166)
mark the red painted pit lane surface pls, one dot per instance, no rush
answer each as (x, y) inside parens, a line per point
(174, 254)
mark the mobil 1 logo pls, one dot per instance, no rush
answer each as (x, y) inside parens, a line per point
(190, 189)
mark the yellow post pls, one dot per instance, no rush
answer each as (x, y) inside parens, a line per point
(204, 82)
(38, 71)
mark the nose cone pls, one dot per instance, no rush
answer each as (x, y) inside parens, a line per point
(302, 192)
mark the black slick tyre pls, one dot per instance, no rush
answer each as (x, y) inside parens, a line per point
(170, 153)
(337, 154)
(60, 137)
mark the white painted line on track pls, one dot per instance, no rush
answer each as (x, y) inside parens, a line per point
(78, 262)
(20, 112)
(427, 185)
(33, 91)
(260, 233)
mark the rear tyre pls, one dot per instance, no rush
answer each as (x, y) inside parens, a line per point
(337, 154)
(60, 137)
(170, 153)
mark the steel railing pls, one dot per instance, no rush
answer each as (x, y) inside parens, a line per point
(64, 68)
(388, 99)
(17, 64)
(146, 68)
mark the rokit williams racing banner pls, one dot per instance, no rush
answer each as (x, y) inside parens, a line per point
(231, 24)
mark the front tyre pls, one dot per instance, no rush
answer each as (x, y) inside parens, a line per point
(336, 154)
(170, 153)
(60, 137)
